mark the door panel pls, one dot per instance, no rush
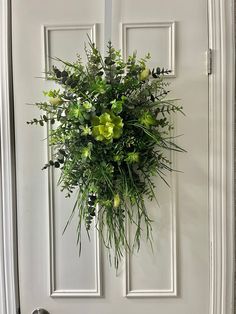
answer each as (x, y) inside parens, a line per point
(76, 275)
(177, 40)
(174, 278)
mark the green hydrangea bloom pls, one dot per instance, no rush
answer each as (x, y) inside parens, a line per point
(107, 127)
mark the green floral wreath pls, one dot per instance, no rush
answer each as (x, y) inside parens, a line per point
(111, 136)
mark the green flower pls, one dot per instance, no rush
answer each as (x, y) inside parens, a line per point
(54, 97)
(86, 151)
(99, 86)
(147, 119)
(55, 101)
(107, 127)
(86, 130)
(116, 202)
(144, 74)
(132, 157)
(88, 106)
(117, 105)
(118, 158)
(76, 112)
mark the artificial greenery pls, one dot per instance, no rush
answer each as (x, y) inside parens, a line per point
(111, 136)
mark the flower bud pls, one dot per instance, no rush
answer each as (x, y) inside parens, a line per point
(55, 101)
(144, 74)
(116, 202)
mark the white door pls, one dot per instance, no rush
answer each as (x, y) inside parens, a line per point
(175, 277)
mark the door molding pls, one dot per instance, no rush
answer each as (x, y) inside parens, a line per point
(9, 300)
(221, 188)
(221, 156)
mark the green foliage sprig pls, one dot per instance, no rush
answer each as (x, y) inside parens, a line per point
(111, 134)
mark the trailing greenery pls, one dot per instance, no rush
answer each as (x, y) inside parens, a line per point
(111, 135)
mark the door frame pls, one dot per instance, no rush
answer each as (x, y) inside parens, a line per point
(221, 155)
(221, 161)
(9, 292)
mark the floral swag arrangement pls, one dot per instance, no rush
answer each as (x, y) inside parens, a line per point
(110, 137)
